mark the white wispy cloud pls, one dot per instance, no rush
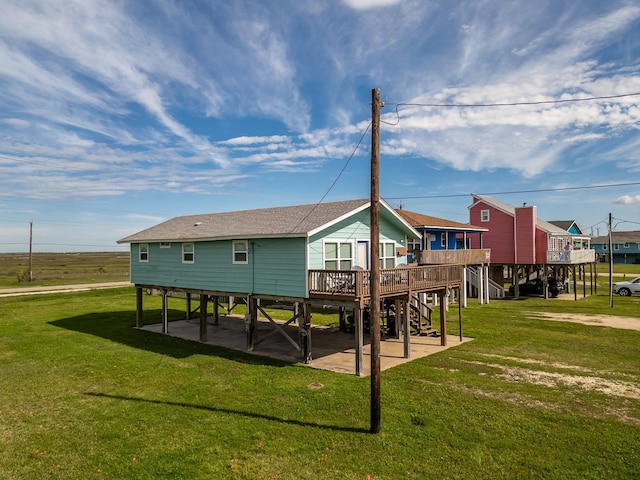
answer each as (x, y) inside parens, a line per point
(369, 4)
(627, 200)
(109, 100)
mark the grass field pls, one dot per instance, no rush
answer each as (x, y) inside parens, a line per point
(86, 396)
(63, 268)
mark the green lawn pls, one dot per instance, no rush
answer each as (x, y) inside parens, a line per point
(63, 268)
(86, 396)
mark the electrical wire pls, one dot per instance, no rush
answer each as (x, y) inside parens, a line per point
(538, 190)
(505, 104)
(334, 181)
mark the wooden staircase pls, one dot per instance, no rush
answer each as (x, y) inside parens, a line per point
(420, 316)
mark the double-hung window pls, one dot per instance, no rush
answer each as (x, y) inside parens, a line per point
(143, 252)
(387, 255)
(188, 253)
(484, 215)
(338, 255)
(241, 251)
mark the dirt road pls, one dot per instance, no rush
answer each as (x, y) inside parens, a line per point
(14, 292)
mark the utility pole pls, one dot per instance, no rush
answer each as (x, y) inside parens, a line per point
(374, 305)
(610, 265)
(31, 251)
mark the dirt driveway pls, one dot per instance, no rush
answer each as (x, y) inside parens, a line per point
(628, 323)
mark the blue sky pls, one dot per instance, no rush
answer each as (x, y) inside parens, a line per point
(115, 116)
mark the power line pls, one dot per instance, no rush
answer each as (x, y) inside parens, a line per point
(505, 104)
(514, 104)
(558, 189)
(355, 149)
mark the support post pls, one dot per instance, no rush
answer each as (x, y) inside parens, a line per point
(204, 303)
(459, 316)
(481, 284)
(306, 345)
(575, 283)
(463, 295)
(230, 304)
(216, 313)
(406, 326)
(486, 284)
(251, 320)
(165, 312)
(358, 338)
(139, 308)
(443, 319)
(188, 306)
(401, 311)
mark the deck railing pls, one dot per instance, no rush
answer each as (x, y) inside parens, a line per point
(571, 256)
(475, 256)
(393, 281)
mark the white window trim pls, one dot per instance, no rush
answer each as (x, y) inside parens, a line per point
(443, 240)
(338, 259)
(192, 252)
(484, 215)
(383, 258)
(414, 244)
(146, 246)
(245, 243)
(616, 246)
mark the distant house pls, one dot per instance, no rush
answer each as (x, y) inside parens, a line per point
(525, 243)
(447, 242)
(439, 235)
(303, 255)
(570, 226)
(625, 247)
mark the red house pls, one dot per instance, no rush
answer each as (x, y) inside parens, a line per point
(518, 238)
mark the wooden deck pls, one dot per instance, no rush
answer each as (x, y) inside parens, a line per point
(571, 257)
(355, 284)
(476, 256)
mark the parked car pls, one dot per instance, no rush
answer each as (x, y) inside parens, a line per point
(535, 287)
(624, 289)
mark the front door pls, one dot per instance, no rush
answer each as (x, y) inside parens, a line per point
(362, 254)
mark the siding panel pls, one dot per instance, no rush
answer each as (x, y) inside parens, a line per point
(276, 267)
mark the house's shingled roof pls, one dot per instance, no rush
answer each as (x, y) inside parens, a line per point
(418, 220)
(631, 236)
(296, 220)
(563, 224)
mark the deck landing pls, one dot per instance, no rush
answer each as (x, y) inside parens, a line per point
(331, 349)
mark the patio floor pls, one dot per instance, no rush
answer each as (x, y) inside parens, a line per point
(331, 349)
